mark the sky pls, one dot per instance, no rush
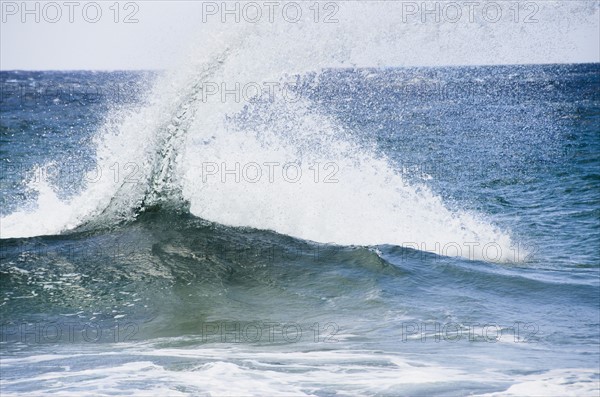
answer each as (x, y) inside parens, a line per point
(111, 35)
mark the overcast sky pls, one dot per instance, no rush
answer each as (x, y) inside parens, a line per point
(162, 31)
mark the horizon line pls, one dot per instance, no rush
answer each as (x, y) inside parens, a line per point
(324, 68)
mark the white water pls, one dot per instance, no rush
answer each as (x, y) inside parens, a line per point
(370, 202)
(259, 373)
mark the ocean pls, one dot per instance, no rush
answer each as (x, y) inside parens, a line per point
(379, 231)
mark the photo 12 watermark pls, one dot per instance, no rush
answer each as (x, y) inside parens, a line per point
(109, 251)
(268, 332)
(518, 12)
(519, 332)
(252, 253)
(53, 12)
(270, 171)
(489, 251)
(55, 332)
(248, 92)
(27, 95)
(253, 12)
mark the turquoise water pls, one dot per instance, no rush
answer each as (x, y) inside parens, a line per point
(452, 251)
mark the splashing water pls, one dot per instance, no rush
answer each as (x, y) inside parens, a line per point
(301, 172)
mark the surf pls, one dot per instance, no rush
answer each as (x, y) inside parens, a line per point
(169, 140)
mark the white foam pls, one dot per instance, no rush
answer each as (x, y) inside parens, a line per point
(555, 383)
(232, 371)
(238, 370)
(370, 204)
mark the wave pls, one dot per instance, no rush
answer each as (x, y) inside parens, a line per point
(172, 272)
(203, 370)
(278, 164)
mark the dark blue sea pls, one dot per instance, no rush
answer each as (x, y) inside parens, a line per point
(383, 231)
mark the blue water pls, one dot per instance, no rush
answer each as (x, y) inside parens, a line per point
(169, 302)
